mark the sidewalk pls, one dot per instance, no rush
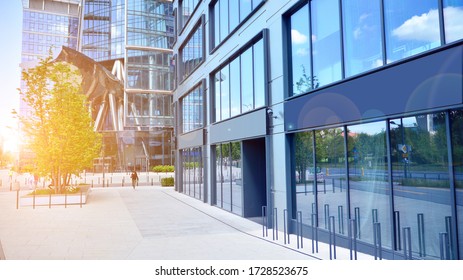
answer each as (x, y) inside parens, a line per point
(151, 223)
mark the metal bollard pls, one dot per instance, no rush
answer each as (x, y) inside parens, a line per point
(341, 219)
(377, 241)
(444, 246)
(421, 236)
(407, 243)
(314, 232)
(352, 239)
(332, 234)
(327, 215)
(285, 228)
(275, 224)
(264, 222)
(357, 219)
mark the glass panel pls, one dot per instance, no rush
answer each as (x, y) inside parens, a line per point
(453, 20)
(200, 173)
(368, 179)
(224, 92)
(326, 41)
(223, 19)
(234, 14)
(331, 179)
(235, 89)
(217, 23)
(412, 27)
(457, 147)
(362, 36)
(259, 74)
(196, 173)
(305, 176)
(421, 181)
(237, 179)
(226, 175)
(246, 82)
(300, 52)
(219, 175)
(245, 8)
(218, 114)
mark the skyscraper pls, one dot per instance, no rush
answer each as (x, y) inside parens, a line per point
(47, 25)
(133, 39)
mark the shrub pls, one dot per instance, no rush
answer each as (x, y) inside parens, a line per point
(163, 168)
(167, 182)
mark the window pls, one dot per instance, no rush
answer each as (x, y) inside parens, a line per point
(192, 52)
(238, 86)
(362, 36)
(412, 27)
(187, 8)
(192, 109)
(453, 20)
(228, 14)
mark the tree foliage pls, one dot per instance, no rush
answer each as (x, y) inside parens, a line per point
(59, 129)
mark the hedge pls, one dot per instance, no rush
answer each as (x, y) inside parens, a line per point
(167, 182)
(163, 168)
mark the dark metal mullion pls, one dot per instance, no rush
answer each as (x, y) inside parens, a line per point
(315, 184)
(395, 245)
(341, 41)
(383, 33)
(309, 7)
(346, 156)
(441, 22)
(453, 200)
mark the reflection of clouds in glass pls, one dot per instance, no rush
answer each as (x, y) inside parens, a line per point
(363, 27)
(302, 52)
(377, 63)
(423, 28)
(297, 37)
(453, 23)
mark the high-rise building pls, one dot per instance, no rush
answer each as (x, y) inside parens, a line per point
(343, 116)
(133, 39)
(47, 25)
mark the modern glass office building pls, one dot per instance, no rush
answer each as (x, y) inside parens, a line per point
(47, 25)
(133, 39)
(345, 114)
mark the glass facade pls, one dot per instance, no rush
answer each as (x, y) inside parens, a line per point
(239, 88)
(43, 31)
(319, 56)
(390, 178)
(229, 178)
(192, 52)
(227, 15)
(192, 110)
(149, 70)
(187, 8)
(193, 172)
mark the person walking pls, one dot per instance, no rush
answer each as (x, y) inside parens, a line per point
(134, 177)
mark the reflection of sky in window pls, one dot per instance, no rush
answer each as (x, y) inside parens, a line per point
(453, 18)
(411, 27)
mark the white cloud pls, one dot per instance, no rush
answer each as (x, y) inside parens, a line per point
(423, 28)
(453, 23)
(297, 37)
(302, 52)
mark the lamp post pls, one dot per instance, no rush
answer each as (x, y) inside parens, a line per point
(404, 146)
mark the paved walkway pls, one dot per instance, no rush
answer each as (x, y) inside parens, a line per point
(151, 222)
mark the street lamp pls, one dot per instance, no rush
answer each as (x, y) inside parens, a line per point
(404, 146)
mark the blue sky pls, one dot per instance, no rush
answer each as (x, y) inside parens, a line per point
(10, 57)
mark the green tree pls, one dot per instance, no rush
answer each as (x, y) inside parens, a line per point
(60, 128)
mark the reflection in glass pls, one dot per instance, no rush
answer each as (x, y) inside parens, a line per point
(412, 27)
(259, 74)
(368, 181)
(226, 175)
(457, 147)
(300, 51)
(235, 89)
(453, 20)
(236, 179)
(326, 38)
(246, 82)
(218, 114)
(331, 180)
(362, 36)
(224, 92)
(305, 176)
(421, 181)
(219, 175)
